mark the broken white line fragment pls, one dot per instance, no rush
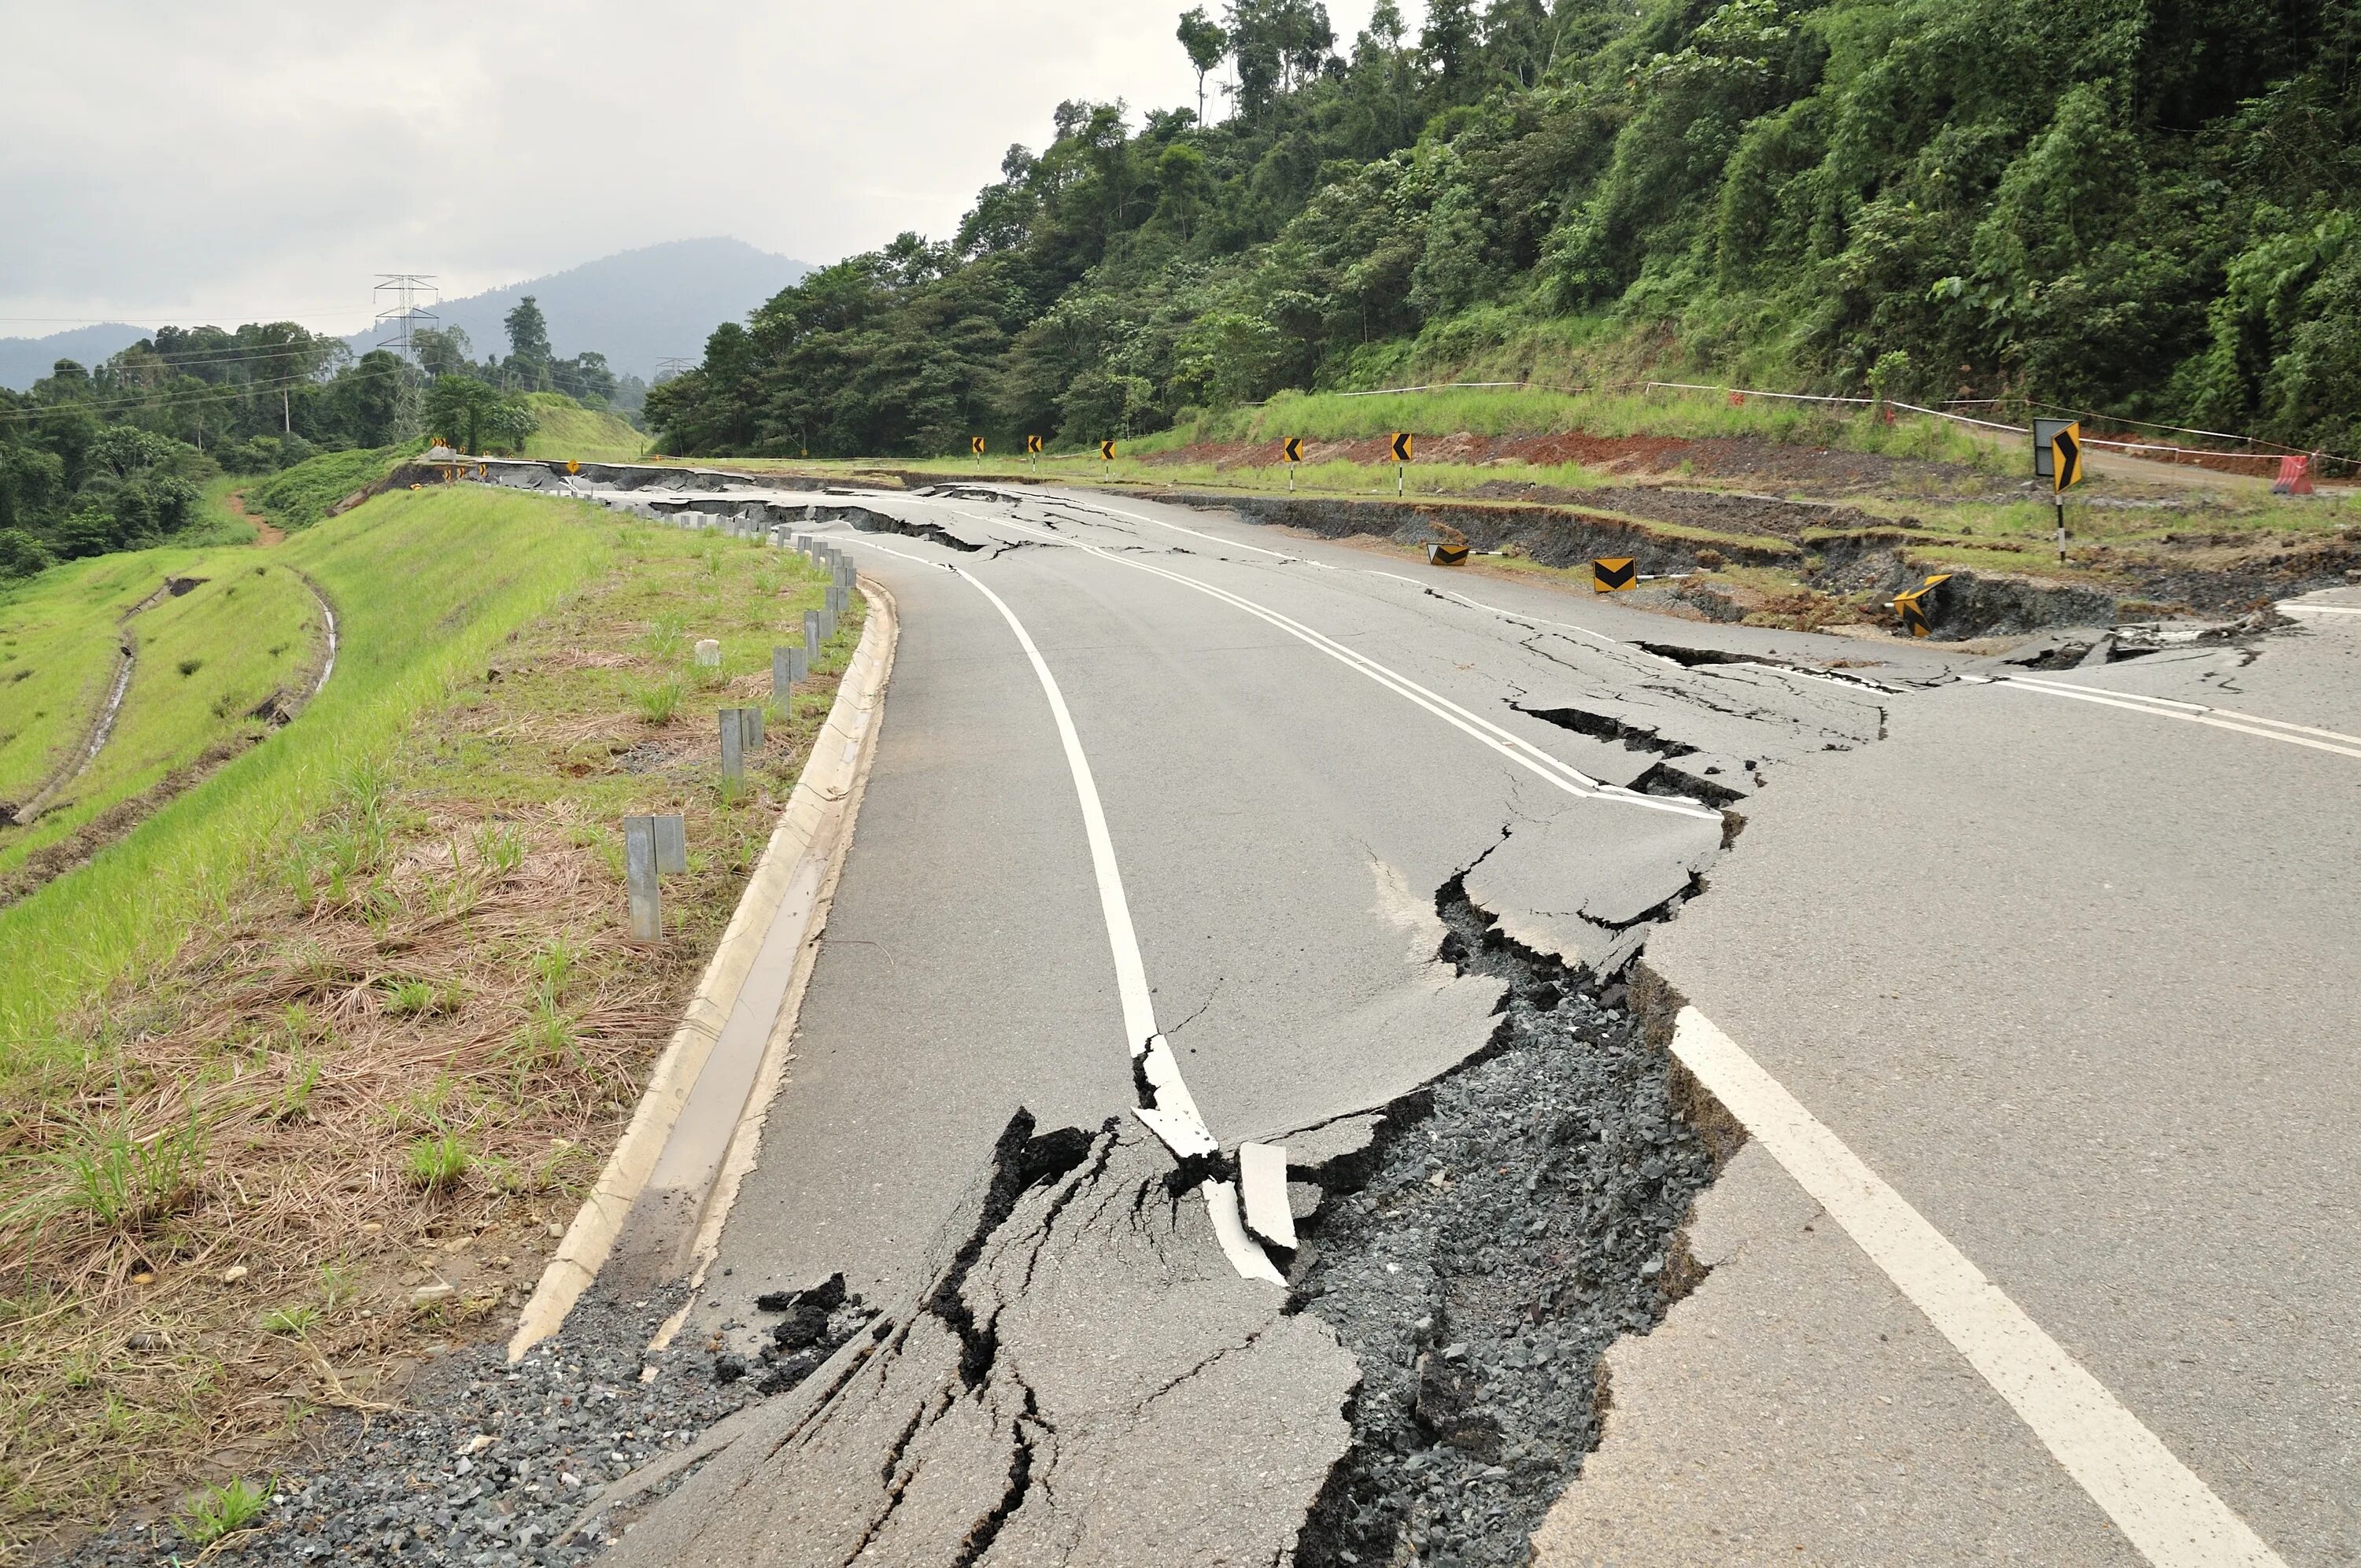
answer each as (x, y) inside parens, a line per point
(1262, 1173)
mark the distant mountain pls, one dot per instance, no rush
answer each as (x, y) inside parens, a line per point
(637, 307)
(25, 360)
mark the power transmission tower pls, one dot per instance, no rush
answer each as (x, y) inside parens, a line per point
(669, 369)
(393, 320)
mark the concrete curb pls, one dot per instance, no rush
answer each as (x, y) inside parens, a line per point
(807, 847)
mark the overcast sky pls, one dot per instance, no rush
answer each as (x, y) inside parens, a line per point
(236, 160)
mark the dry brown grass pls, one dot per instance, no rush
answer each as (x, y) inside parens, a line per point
(211, 1227)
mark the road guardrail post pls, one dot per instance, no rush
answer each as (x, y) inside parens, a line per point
(733, 744)
(640, 879)
(672, 845)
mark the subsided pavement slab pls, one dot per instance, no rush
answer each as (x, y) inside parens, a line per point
(2077, 981)
(1795, 1409)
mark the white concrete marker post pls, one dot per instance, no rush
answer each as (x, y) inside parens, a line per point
(672, 845)
(708, 654)
(812, 639)
(1262, 1173)
(640, 879)
(782, 673)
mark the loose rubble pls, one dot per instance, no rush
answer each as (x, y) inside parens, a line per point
(1499, 1229)
(485, 1464)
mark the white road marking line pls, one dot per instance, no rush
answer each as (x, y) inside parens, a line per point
(1210, 538)
(2195, 713)
(2321, 609)
(1510, 745)
(1175, 1117)
(1517, 616)
(2163, 1509)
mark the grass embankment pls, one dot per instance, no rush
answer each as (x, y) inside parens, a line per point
(59, 639)
(298, 497)
(564, 428)
(358, 1015)
(212, 666)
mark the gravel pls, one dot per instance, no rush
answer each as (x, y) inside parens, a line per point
(1508, 1223)
(490, 1465)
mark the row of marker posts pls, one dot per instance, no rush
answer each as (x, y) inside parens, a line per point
(656, 846)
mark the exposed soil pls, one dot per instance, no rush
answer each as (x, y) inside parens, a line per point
(266, 532)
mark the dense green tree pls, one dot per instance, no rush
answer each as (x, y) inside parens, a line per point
(528, 352)
(1202, 39)
(2144, 209)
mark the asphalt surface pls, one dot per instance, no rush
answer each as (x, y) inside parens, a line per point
(2075, 979)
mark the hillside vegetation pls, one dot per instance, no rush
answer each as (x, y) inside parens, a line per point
(2139, 208)
(424, 583)
(212, 666)
(367, 986)
(564, 428)
(299, 496)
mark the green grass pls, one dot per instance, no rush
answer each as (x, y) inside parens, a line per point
(299, 496)
(203, 662)
(1336, 416)
(222, 1510)
(58, 641)
(566, 429)
(426, 583)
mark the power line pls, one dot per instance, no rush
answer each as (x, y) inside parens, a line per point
(212, 396)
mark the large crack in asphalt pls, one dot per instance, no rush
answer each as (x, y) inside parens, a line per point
(1501, 1228)
(1084, 1379)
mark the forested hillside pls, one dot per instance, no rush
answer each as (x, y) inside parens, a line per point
(94, 460)
(2139, 206)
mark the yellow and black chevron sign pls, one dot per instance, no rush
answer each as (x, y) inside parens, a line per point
(975, 444)
(1401, 446)
(2065, 458)
(1917, 607)
(1106, 451)
(1295, 449)
(1620, 575)
(1032, 445)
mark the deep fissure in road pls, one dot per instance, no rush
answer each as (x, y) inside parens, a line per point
(1504, 1226)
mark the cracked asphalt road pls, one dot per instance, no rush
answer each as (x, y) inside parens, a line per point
(2126, 1105)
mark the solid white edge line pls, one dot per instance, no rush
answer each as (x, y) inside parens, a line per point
(2209, 716)
(1599, 637)
(2321, 609)
(1175, 1118)
(1194, 533)
(2239, 715)
(2172, 1516)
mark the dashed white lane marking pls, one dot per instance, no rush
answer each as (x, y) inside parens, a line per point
(2173, 1517)
(1175, 1117)
(1514, 746)
(2196, 713)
